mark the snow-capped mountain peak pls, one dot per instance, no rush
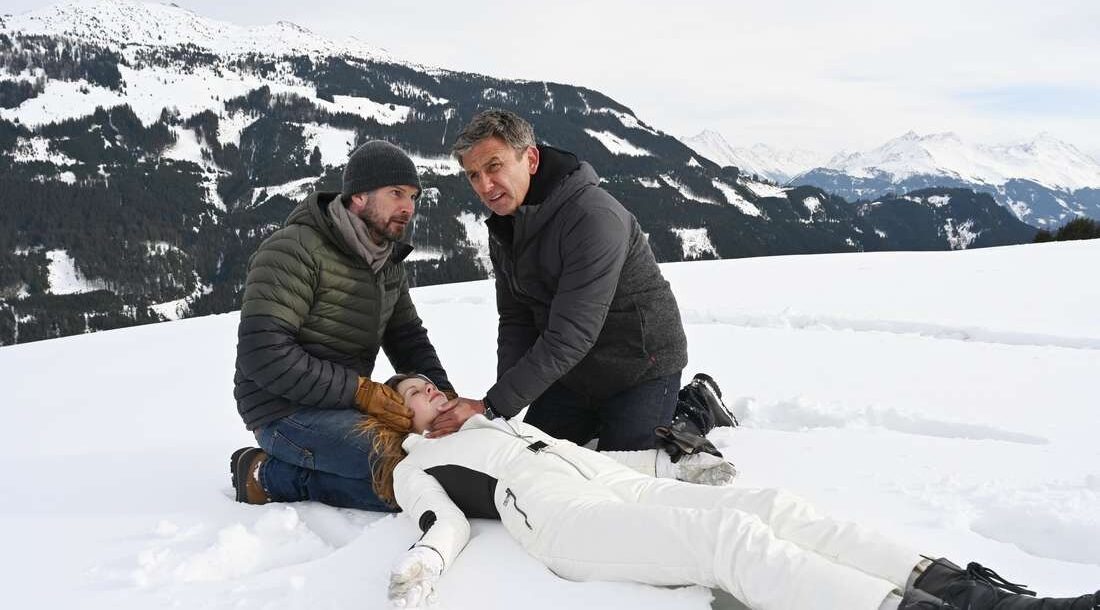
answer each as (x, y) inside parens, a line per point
(1045, 160)
(712, 145)
(759, 159)
(127, 23)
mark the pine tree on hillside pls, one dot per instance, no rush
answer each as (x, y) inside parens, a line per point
(1078, 228)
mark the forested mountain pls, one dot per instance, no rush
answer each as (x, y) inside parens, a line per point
(145, 152)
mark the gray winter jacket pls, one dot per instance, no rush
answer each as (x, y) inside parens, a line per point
(580, 297)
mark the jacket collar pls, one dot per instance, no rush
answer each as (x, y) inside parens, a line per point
(478, 420)
(554, 166)
(564, 176)
(313, 212)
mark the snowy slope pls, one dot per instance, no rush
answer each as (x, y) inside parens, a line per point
(941, 397)
(131, 26)
(760, 159)
(117, 23)
(1045, 160)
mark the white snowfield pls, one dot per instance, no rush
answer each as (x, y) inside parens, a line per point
(948, 399)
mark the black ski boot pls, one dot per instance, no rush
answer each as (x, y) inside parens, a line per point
(979, 588)
(699, 409)
(1024, 602)
(915, 599)
(704, 386)
(941, 575)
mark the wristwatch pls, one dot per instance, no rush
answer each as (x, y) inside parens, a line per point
(489, 412)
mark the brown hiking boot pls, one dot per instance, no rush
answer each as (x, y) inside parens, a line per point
(244, 468)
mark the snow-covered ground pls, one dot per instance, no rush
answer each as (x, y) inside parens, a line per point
(947, 398)
(695, 243)
(617, 145)
(763, 189)
(686, 192)
(65, 278)
(733, 198)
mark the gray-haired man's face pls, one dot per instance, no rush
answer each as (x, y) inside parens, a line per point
(500, 176)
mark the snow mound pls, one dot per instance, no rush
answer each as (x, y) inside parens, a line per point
(279, 537)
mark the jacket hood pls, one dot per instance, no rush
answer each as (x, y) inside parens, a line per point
(554, 165)
(531, 217)
(313, 212)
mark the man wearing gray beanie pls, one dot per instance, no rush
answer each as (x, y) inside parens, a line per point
(323, 294)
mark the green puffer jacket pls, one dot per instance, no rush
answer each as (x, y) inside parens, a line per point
(314, 316)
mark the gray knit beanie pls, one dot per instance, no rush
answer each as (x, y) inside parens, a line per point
(377, 164)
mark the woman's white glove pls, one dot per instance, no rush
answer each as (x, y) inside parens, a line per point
(705, 469)
(413, 577)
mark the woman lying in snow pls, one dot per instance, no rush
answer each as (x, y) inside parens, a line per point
(588, 517)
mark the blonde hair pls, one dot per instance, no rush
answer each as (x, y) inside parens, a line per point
(386, 444)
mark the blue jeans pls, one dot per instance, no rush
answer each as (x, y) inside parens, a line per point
(624, 422)
(317, 454)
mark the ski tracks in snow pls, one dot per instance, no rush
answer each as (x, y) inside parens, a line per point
(1056, 520)
(802, 414)
(976, 334)
(1053, 515)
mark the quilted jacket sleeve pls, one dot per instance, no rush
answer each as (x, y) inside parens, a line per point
(278, 294)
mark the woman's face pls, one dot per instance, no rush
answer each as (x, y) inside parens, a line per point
(424, 399)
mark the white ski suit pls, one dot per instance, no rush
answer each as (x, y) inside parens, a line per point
(587, 517)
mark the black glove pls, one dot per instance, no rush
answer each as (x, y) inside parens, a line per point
(682, 437)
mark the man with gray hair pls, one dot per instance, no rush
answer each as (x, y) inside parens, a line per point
(589, 332)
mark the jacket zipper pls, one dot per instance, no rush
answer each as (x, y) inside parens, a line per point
(508, 495)
(523, 438)
(509, 256)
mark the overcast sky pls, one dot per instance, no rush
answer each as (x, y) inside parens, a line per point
(845, 74)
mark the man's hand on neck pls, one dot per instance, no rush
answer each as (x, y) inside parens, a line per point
(453, 415)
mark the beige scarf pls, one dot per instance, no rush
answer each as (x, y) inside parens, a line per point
(356, 235)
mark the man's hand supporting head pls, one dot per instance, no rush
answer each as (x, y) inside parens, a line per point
(452, 415)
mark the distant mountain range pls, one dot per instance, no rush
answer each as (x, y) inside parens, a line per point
(145, 152)
(1044, 182)
(759, 159)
